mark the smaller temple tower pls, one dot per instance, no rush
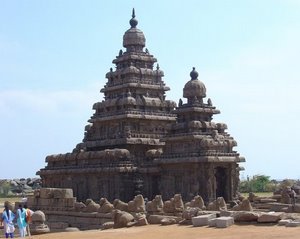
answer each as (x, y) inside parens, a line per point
(198, 157)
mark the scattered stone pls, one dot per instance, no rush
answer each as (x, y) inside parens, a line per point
(293, 224)
(156, 219)
(212, 222)
(107, 225)
(168, 221)
(71, 229)
(270, 217)
(202, 220)
(267, 200)
(284, 222)
(245, 216)
(190, 212)
(223, 222)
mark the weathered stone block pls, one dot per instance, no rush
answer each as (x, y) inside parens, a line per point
(270, 217)
(277, 207)
(62, 193)
(57, 225)
(156, 219)
(223, 222)
(246, 216)
(46, 193)
(167, 221)
(284, 222)
(293, 224)
(202, 220)
(212, 222)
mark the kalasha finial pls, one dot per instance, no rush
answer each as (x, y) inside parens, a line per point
(133, 22)
(194, 74)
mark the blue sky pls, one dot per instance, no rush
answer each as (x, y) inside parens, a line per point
(54, 56)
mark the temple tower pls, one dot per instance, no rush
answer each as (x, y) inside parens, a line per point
(198, 158)
(139, 142)
(123, 136)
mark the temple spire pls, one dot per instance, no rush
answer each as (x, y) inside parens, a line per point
(133, 22)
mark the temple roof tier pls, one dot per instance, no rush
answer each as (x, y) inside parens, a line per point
(202, 159)
(133, 116)
(135, 85)
(134, 57)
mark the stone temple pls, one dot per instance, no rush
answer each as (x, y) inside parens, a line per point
(138, 142)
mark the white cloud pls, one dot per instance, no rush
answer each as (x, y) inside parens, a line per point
(46, 102)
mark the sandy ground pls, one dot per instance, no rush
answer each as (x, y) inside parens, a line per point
(182, 232)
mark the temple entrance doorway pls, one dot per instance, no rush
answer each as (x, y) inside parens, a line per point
(221, 182)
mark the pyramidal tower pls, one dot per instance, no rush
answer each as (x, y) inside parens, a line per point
(198, 156)
(114, 159)
(137, 142)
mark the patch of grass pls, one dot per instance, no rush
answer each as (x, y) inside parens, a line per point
(260, 194)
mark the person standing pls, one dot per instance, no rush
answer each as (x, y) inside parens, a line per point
(7, 218)
(28, 218)
(21, 220)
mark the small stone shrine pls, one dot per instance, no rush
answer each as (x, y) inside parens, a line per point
(137, 142)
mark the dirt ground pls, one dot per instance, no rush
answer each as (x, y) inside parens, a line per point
(254, 231)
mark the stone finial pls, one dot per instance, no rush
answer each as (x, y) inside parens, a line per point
(194, 74)
(133, 22)
(157, 66)
(180, 103)
(121, 52)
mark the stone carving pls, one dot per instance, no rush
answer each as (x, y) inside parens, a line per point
(252, 197)
(105, 206)
(91, 206)
(79, 206)
(287, 195)
(196, 202)
(153, 153)
(38, 225)
(245, 205)
(137, 204)
(174, 205)
(218, 205)
(156, 205)
(120, 205)
(122, 219)
(190, 212)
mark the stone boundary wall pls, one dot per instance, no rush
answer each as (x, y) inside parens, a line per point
(59, 220)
